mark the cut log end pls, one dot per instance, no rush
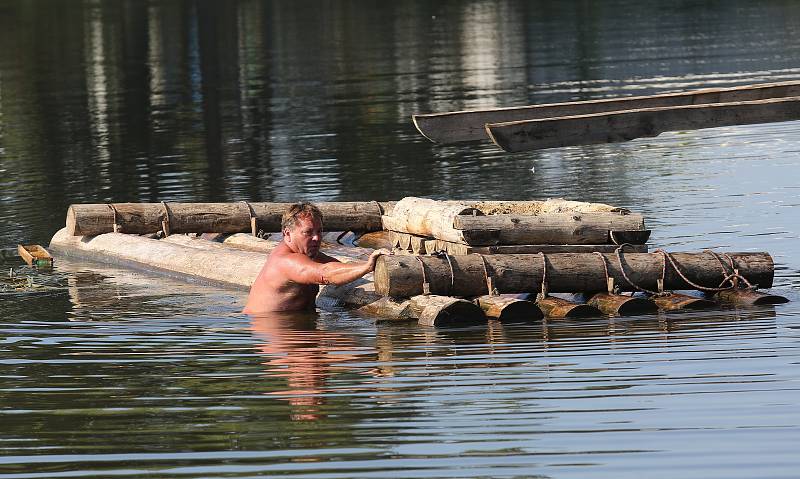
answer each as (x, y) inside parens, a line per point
(682, 302)
(553, 307)
(619, 305)
(750, 297)
(444, 312)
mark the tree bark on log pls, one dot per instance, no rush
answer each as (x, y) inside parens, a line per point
(402, 276)
(143, 218)
(569, 228)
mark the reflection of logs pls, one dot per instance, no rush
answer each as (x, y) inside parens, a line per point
(402, 276)
(140, 218)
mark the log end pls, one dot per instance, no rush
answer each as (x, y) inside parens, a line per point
(636, 306)
(72, 222)
(459, 312)
(748, 297)
(520, 311)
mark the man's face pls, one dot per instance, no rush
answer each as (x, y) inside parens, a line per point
(305, 237)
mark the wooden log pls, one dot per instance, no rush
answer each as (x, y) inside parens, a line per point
(554, 307)
(402, 276)
(557, 228)
(630, 124)
(681, 302)
(433, 310)
(621, 305)
(374, 240)
(749, 297)
(436, 246)
(142, 218)
(458, 126)
(425, 217)
(508, 308)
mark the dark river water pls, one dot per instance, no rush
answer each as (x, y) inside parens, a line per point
(114, 373)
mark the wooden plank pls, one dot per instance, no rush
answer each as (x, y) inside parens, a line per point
(631, 124)
(458, 126)
(35, 255)
(569, 228)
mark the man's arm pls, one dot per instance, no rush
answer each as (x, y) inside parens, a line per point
(301, 269)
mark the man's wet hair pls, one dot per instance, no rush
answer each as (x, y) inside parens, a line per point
(303, 209)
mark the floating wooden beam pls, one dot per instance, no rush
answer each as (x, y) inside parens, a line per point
(458, 126)
(143, 218)
(627, 125)
(402, 276)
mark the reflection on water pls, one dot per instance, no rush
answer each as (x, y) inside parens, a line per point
(297, 350)
(118, 373)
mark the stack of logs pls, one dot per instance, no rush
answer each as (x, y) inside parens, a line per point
(462, 261)
(505, 254)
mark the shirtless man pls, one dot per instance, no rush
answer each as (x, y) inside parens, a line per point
(290, 279)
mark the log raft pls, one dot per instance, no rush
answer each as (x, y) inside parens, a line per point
(453, 127)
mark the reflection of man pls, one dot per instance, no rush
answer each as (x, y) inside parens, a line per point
(289, 279)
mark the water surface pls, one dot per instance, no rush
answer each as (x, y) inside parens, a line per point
(116, 373)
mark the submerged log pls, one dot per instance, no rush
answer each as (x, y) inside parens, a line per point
(142, 218)
(402, 276)
(508, 308)
(458, 126)
(558, 229)
(625, 125)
